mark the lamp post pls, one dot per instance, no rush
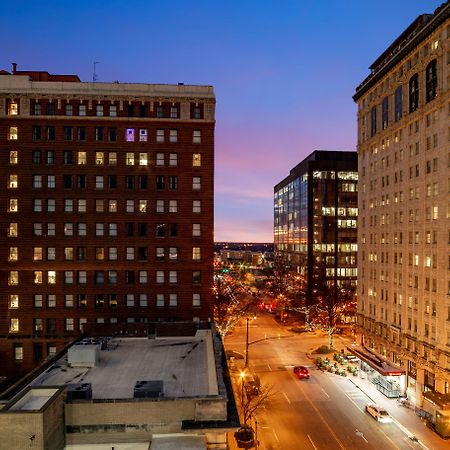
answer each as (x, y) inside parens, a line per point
(246, 344)
(242, 377)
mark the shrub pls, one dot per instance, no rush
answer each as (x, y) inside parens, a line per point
(323, 349)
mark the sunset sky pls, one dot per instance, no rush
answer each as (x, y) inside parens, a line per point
(284, 73)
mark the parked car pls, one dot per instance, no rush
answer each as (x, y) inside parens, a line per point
(378, 413)
(302, 372)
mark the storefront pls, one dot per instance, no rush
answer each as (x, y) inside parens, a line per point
(388, 378)
(437, 407)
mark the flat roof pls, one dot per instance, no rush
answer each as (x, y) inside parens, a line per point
(376, 361)
(33, 400)
(182, 363)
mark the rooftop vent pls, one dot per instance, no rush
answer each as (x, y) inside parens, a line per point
(149, 389)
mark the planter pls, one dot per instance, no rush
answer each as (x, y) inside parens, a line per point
(245, 437)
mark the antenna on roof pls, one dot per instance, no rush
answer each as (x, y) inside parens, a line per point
(94, 75)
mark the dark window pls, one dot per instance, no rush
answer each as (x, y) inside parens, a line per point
(196, 277)
(99, 133)
(173, 182)
(142, 253)
(431, 81)
(50, 133)
(99, 277)
(81, 300)
(68, 157)
(385, 113)
(143, 111)
(38, 353)
(373, 121)
(413, 93)
(36, 132)
(37, 110)
(160, 182)
(50, 109)
(81, 253)
(398, 107)
(68, 133)
(142, 181)
(112, 300)
(129, 277)
(67, 180)
(81, 132)
(50, 157)
(142, 227)
(112, 134)
(173, 229)
(196, 112)
(160, 111)
(51, 326)
(160, 229)
(129, 181)
(81, 181)
(112, 181)
(129, 226)
(36, 156)
(130, 111)
(99, 300)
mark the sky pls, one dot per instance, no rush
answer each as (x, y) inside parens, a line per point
(283, 71)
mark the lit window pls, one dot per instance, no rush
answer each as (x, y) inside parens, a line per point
(69, 324)
(37, 254)
(99, 205)
(13, 278)
(129, 135)
(37, 205)
(13, 133)
(196, 183)
(51, 253)
(13, 157)
(68, 277)
(159, 276)
(99, 182)
(173, 159)
(142, 206)
(13, 109)
(51, 277)
(82, 229)
(174, 112)
(196, 229)
(173, 276)
(37, 229)
(143, 276)
(82, 277)
(142, 299)
(37, 277)
(173, 206)
(82, 110)
(51, 301)
(14, 328)
(196, 160)
(51, 205)
(129, 254)
(113, 229)
(159, 135)
(195, 253)
(130, 159)
(113, 111)
(82, 205)
(143, 135)
(68, 229)
(129, 206)
(173, 299)
(81, 158)
(99, 253)
(196, 206)
(197, 137)
(37, 301)
(99, 110)
(68, 300)
(196, 301)
(160, 253)
(112, 206)
(69, 109)
(13, 254)
(99, 229)
(112, 158)
(13, 205)
(112, 253)
(173, 135)
(13, 228)
(160, 300)
(159, 206)
(13, 301)
(173, 253)
(68, 253)
(13, 182)
(130, 299)
(160, 159)
(99, 158)
(143, 159)
(51, 181)
(51, 229)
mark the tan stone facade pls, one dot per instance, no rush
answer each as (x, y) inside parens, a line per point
(404, 211)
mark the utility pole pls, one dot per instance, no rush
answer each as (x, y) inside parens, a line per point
(246, 345)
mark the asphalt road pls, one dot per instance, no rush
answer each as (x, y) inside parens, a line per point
(324, 412)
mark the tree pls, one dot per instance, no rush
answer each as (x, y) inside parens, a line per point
(231, 303)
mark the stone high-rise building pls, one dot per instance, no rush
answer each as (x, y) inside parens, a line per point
(106, 210)
(404, 227)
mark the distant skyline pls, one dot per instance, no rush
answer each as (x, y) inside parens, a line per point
(284, 74)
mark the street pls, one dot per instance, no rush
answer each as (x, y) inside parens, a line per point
(324, 412)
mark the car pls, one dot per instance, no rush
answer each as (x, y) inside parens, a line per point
(378, 413)
(302, 372)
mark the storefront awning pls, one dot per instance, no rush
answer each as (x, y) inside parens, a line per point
(376, 361)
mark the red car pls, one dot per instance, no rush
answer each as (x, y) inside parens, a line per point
(302, 372)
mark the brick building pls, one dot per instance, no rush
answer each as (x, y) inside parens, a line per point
(403, 231)
(107, 210)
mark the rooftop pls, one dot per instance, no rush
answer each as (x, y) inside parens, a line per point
(182, 363)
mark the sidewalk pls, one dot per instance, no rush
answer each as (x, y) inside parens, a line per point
(406, 418)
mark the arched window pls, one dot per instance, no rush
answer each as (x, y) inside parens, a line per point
(413, 93)
(431, 81)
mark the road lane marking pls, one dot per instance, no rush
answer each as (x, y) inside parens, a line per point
(275, 435)
(286, 397)
(312, 443)
(323, 390)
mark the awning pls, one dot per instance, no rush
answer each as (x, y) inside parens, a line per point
(376, 361)
(441, 401)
